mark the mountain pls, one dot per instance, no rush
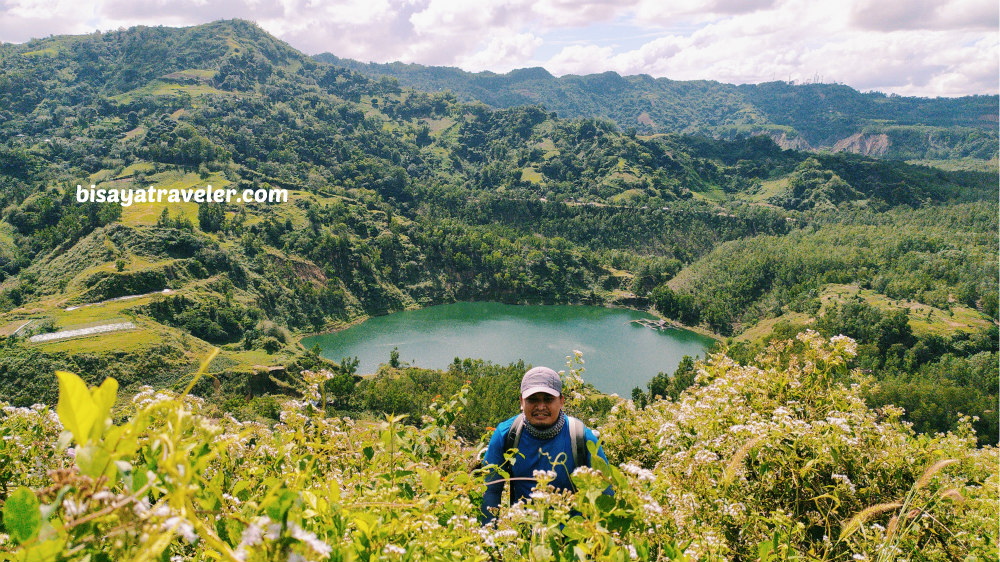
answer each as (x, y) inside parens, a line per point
(393, 198)
(392, 203)
(838, 286)
(824, 117)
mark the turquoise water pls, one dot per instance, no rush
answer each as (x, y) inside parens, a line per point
(618, 354)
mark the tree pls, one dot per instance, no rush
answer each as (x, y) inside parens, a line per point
(341, 387)
(639, 397)
(988, 302)
(666, 386)
(211, 217)
(348, 365)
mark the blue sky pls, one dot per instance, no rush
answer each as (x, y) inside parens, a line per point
(909, 47)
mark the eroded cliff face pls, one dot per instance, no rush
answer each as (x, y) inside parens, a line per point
(867, 145)
(794, 142)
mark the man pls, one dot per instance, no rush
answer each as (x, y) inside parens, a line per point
(540, 433)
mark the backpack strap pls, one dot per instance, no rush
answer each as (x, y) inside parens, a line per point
(513, 437)
(510, 442)
(578, 442)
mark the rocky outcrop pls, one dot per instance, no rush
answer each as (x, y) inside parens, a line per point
(866, 145)
(793, 142)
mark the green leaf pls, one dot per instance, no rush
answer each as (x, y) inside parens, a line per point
(104, 398)
(229, 530)
(431, 479)
(240, 490)
(139, 479)
(42, 551)
(808, 467)
(83, 412)
(76, 408)
(605, 503)
(22, 516)
(278, 509)
(575, 530)
(95, 462)
(600, 464)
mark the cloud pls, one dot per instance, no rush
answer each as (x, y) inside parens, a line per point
(738, 6)
(922, 47)
(580, 59)
(667, 14)
(21, 20)
(513, 51)
(574, 13)
(807, 41)
(879, 15)
(186, 12)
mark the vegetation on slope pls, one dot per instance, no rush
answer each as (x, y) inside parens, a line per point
(780, 459)
(817, 116)
(399, 198)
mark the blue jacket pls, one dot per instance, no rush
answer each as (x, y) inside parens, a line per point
(538, 455)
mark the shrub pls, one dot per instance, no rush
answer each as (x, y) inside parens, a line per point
(774, 460)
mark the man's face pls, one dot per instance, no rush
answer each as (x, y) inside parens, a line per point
(541, 409)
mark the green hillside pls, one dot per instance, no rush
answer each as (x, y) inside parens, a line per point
(826, 117)
(399, 198)
(777, 459)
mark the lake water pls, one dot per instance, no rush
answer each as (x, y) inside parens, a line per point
(619, 355)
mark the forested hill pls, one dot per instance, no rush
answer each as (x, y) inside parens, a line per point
(807, 116)
(399, 199)
(792, 442)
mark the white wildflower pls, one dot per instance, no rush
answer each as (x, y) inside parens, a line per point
(183, 528)
(842, 478)
(252, 535)
(585, 471)
(310, 538)
(639, 472)
(704, 456)
(273, 530)
(393, 549)
(73, 509)
(544, 476)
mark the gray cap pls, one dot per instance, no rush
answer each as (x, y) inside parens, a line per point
(541, 379)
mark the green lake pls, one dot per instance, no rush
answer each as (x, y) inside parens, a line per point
(618, 354)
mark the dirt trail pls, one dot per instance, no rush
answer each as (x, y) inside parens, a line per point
(125, 298)
(64, 334)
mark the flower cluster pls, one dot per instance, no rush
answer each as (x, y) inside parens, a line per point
(781, 458)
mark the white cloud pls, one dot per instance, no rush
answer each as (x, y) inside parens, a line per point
(879, 15)
(803, 41)
(580, 59)
(922, 47)
(574, 13)
(504, 54)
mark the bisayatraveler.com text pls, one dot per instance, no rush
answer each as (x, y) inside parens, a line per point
(207, 194)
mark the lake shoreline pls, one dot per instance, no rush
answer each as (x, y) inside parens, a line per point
(621, 343)
(341, 326)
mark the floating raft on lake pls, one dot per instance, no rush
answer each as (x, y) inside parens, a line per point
(655, 324)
